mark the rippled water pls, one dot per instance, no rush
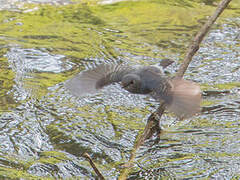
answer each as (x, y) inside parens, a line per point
(45, 131)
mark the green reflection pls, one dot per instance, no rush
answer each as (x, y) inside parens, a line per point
(6, 83)
(14, 168)
(152, 29)
(88, 30)
(224, 86)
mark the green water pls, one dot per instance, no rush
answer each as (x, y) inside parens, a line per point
(44, 130)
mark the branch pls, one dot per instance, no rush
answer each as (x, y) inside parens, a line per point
(194, 46)
(86, 155)
(147, 133)
(152, 125)
(192, 49)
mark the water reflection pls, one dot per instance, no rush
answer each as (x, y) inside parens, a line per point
(30, 67)
(221, 53)
(45, 130)
(33, 60)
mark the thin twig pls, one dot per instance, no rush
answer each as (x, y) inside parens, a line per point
(152, 125)
(147, 133)
(192, 49)
(194, 46)
(86, 155)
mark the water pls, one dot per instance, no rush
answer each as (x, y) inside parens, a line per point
(45, 131)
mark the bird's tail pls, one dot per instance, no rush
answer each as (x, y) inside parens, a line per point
(185, 98)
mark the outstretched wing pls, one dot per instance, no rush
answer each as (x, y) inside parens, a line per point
(93, 79)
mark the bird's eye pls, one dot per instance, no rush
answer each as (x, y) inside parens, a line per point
(131, 82)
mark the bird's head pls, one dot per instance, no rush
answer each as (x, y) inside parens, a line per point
(131, 83)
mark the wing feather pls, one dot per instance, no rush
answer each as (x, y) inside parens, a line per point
(91, 80)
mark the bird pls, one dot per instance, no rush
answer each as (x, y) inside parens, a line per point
(181, 97)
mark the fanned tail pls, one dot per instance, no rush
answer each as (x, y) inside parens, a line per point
(185, 98)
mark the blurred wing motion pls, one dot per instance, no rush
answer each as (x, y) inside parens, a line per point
(186, 97)
(91, 80)
(181, 96)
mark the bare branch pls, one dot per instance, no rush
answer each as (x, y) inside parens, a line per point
(86, 155)
(152, 125)
(194, 46)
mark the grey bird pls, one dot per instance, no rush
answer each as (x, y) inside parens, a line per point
(181, 96)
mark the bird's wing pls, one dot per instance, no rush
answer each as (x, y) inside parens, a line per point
(93, 79)
(181, 96)
(161, 89)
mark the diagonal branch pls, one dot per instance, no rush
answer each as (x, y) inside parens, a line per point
(194, 46)
(152, 125)
(100, 176)
(192, 49)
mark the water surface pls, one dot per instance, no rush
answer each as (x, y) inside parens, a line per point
(45, 131)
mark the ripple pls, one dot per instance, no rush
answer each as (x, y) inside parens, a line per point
(218, 59)
(29, 65)
(33, 60)
(46, 136)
